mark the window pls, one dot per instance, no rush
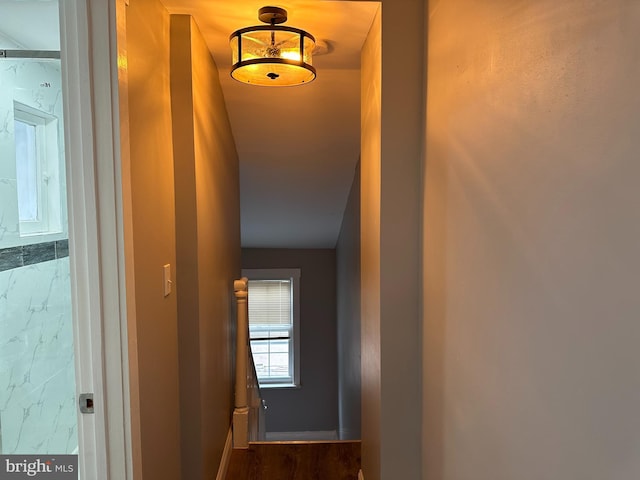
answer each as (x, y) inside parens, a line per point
(37, 171)
(274, 325)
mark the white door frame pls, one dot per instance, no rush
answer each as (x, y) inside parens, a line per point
(94, 186)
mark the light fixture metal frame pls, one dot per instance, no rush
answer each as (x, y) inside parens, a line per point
(237, 35)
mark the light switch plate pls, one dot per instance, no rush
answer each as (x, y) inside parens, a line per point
(166, 277)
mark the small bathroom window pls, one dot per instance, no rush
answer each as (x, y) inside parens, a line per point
(37, 171)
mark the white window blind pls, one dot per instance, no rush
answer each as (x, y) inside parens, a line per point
(270, 303)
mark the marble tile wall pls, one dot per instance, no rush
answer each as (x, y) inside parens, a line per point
(37, 84)
(37, 375)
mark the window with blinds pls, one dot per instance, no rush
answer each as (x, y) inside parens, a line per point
(273, 325)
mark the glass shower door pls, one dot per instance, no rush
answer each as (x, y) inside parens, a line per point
(38, 409)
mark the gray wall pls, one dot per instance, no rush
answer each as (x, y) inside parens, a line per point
(313, 406)
(532, 234)
(348, 296)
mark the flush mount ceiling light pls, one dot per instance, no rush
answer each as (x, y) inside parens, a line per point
(272, 55)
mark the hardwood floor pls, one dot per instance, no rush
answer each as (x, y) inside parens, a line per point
(296, 461)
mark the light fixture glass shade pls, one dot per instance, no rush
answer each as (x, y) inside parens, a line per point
(272, 55)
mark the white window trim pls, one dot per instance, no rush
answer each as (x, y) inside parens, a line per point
(292, 274)
(48, 157)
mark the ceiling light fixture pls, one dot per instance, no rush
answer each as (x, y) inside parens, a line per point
(272, 55)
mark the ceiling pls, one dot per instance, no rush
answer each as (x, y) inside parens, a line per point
(26, 24)
(298, 146)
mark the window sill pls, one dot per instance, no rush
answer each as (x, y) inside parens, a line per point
(31, 238)
(278, 385)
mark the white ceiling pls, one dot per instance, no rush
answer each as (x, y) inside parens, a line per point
(29, 24)
(298, 146)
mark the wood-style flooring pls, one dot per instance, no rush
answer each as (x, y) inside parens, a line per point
(296, 461)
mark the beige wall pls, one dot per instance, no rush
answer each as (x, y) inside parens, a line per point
(370, 249)
(392, 133)
(208, 247)
(153, 214)
(532, 229)
(185, 204)
(218, 203)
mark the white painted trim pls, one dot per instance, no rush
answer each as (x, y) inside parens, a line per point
(318, 435)
(105, 55)
(83, 234)
(348, 434)
(89, 70)
(226, 456)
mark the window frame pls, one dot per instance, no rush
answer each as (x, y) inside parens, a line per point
(47, 158)
(292, 274)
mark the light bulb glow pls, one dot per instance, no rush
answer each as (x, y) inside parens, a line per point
(291, 55)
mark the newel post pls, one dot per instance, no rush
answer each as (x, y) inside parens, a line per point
(241, 412)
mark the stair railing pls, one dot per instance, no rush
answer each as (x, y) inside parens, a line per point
(248, 415)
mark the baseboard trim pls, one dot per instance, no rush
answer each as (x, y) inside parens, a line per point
(226, 456)
(348, 434)
(328, 435)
